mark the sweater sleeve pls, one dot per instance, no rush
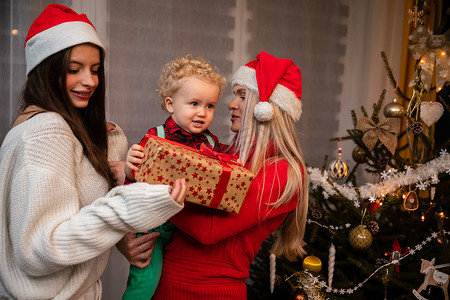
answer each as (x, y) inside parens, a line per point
(209, 226)
(117, 143)
(52, 225)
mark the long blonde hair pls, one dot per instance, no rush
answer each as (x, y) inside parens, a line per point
(262, 143)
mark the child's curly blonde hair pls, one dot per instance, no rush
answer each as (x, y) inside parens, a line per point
(174, 73)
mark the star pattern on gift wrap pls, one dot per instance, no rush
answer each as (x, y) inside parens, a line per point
(163, 164)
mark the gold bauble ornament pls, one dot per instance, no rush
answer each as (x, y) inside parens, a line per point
(338, 168)
(360, 237)
(359, 155)
(312, 263)
(394, 110)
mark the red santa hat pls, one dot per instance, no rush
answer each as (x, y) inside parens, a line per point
(276, 79)
(57, 28)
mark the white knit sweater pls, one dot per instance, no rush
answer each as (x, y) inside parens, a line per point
(56, 224)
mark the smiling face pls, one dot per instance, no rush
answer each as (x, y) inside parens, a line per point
(237, 106)
(192, 106)
(82, 77)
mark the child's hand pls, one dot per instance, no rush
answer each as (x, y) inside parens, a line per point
(135, 157)
(178, 193)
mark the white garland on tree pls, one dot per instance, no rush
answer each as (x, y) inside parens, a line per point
(413, 251)
(422, 176)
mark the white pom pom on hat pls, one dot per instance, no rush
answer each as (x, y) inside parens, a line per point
(275, 79)
(263, 111)
(58, 27)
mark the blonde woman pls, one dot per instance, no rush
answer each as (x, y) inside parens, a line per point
(211, 252)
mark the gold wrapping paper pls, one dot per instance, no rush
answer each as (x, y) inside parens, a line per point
(213, 179)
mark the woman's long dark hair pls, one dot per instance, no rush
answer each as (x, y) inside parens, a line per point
(46, 88)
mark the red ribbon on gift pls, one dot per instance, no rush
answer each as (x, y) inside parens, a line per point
(221, 187)
(220, 156)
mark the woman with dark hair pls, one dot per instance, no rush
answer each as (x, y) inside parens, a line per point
(57, 219)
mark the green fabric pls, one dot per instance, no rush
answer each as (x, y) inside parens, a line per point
(210, 140)
(160, 131)
(142, 283)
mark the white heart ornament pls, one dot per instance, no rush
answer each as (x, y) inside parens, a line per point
(430, 112)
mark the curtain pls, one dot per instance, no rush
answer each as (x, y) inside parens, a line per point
(336, 44)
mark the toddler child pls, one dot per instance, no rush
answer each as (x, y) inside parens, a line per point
(189, 89)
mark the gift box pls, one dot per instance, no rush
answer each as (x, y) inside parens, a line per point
(213, 179)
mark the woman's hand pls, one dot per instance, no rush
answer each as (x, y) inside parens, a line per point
(178, 193)
(138, 250)
(118, 171)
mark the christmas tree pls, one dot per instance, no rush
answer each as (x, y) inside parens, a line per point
(388, 239)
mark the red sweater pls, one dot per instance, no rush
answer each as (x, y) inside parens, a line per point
(211, 252)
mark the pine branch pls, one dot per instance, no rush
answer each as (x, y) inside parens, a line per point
(394, 83)
(354, 119)
(363, 110)
(377, 107)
